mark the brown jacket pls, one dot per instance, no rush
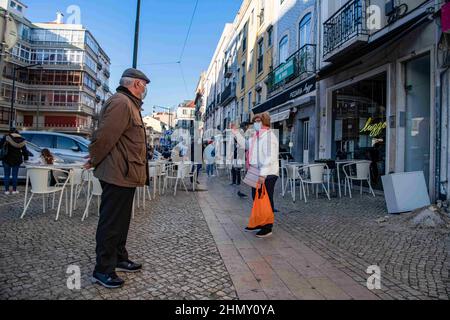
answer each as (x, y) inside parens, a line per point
(119, 147)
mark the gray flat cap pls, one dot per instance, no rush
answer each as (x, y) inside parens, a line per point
(135, 74)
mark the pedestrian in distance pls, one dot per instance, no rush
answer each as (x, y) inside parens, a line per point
(13, 152)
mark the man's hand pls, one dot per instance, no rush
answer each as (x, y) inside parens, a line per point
(88, 165)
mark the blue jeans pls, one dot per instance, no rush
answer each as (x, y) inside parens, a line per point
(210, 169)
(8, 170)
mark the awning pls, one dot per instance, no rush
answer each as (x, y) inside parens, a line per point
(280, 116)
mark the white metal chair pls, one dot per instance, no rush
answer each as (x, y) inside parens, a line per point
(162, 172)
(95, 191)
(182, 172)
(39, 179)
(314, 174)
(291, 177)
(362, 174)
(77, 182)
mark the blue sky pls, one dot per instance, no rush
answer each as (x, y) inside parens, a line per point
(164, 25)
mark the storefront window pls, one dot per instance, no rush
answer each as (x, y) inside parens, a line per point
(359, 123)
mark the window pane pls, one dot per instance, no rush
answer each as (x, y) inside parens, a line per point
(43, 141)
(65, 143)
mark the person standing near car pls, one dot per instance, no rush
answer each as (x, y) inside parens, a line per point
(14, 153)
(118, 153)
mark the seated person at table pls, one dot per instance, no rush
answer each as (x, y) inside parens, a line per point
(46, 157)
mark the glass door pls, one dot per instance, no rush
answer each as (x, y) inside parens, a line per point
(305, 144)
(418, 125)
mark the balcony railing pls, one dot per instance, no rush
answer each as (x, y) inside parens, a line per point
(229, 93)
(53, 106)
(106, 73)
(106, 87)
(346, 24)
(301, 63)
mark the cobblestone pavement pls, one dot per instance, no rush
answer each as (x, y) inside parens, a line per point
(414, 263)
(171, 239)
(182, 259)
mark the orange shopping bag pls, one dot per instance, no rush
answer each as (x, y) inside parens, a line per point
(262, 213)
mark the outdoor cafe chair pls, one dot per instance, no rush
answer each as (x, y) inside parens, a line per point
(314, 174)
(38, 177)
(291, 177)
(179, 175)
(360, 173)
(95, 190)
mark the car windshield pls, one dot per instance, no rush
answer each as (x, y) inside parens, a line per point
(82, 140)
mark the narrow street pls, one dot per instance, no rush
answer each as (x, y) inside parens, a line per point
(193, 246)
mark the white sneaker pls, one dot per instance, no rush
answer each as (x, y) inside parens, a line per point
(7, 193)
(15, 192)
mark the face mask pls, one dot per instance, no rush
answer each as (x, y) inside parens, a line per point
(144, 94)
(257, 126)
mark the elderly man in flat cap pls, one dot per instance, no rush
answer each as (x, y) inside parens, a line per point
(118, 154)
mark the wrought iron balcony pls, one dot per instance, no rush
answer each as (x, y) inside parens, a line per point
(298, 66)
(345, 29)
(106, 73)
(106, 87)
(228, 94)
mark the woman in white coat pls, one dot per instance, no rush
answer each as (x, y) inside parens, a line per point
(263, 153)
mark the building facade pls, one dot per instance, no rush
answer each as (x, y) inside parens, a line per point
(66, 91)
(291, 84)
(383, 83)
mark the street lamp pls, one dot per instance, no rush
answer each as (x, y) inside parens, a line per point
(13, 92)
(136, 34)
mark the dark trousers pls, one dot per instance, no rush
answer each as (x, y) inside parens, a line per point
(8, 171)
(112, 231)
(236, 175)
(199, 168)
(270, 187)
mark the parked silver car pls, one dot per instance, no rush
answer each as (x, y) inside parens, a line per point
(34, 157)
(68, 147)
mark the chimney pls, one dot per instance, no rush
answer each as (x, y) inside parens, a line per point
(59, 18)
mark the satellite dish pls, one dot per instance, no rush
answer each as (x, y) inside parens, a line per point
(11, 35)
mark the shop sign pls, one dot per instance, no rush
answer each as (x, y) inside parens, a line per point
(374, 129)
(284, 71)
(301, 89)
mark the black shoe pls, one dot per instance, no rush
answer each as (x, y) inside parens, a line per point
(264, 233)
(232, 184)
(128, 266)
(110, 281)
(276, 210)
(252, 229)
(242, 195)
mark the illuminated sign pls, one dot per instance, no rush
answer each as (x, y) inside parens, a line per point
(374, 129)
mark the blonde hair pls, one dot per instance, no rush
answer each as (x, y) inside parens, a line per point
(264, 117)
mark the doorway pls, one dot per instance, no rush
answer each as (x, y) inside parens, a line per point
(418, 116)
